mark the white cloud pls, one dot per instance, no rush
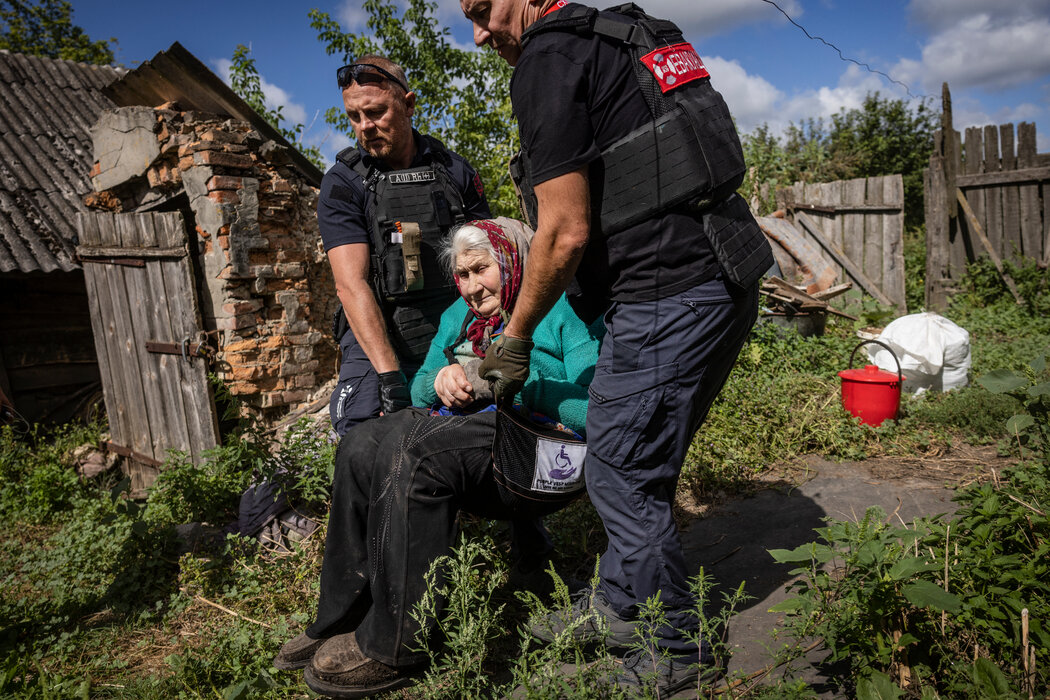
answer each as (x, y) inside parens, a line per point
(697, 19)
(981, 52)
(330, 142)
(273, 96)
(222, 68)
(751, 99)
(940, 15)
(754, 101)
(352, 16)
(854, 85)
(710, 17)
(968, 112)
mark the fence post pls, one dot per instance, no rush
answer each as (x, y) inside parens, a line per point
(941, 207)
(938, 279)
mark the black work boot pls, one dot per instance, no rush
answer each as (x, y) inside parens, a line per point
(649, 668)
(589, 620)
(340, 669)
(297, 652)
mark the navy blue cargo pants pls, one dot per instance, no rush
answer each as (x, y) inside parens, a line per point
(661, 365)
(356, 396)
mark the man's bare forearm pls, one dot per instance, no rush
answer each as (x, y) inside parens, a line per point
(556, 249)
(350, 267)
(369, 327)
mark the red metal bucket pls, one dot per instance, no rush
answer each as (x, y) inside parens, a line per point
(872, 394)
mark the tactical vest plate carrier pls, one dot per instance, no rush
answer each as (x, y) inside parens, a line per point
(688, 155)
(410, 212)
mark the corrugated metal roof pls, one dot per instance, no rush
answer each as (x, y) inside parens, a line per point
(177, 75)
(46, 108)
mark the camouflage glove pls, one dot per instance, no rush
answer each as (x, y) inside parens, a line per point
(393, 392)
(506, 366)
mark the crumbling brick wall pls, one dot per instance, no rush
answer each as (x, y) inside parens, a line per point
(266, 293)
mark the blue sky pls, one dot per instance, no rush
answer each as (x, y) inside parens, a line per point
(994, 55)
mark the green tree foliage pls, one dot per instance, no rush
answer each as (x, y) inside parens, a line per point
(46, 28)
(885, 137)
(245, 81)
(462, 96)
(882, 137)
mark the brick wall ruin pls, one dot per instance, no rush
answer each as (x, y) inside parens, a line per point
(265, 289)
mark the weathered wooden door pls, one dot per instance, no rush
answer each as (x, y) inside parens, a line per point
(146, 322)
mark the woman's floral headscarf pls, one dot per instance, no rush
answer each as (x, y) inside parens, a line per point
(510, 273)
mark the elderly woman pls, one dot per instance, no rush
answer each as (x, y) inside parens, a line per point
(401, 479)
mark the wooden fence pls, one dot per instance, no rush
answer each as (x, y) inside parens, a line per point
(859, 225)
(987, 195)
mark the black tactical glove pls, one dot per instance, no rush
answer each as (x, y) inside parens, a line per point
(506, 366)
(393, 392)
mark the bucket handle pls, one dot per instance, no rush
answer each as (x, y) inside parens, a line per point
(900, 376)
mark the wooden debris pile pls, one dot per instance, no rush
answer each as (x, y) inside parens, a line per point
(789, 300)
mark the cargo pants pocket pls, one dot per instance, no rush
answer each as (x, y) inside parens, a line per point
(621, 408)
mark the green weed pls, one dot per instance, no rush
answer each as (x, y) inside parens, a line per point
(908, 604)
(37, 478)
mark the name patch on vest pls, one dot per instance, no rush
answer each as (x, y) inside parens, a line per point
(674, 66)
(411, 178)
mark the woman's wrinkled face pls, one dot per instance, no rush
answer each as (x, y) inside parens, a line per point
(479, 281)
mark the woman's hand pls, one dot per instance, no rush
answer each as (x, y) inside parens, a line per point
(453, 388)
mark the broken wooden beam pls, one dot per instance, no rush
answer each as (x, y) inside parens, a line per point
(851, 269)
(831, 292)
(799, 301)
(975, 227)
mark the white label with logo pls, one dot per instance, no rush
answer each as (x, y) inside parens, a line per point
(559, 466)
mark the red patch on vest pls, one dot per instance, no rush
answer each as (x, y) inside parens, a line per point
(478, 186)
(674, 66)
(556, 6)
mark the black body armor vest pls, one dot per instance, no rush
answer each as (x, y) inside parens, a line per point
(409, 214)
(688, 155)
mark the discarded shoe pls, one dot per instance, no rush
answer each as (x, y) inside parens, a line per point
(297, 652)
(340, 669)
(590, 621)
(642, 669)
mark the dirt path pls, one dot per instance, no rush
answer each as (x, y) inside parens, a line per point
(732, 539)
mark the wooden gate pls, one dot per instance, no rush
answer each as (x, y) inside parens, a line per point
(146, 322)
(859, 226)
(986, 196)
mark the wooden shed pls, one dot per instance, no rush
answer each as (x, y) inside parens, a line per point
(202, 259)
(48, 366)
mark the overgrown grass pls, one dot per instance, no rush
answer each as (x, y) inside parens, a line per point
(100, 598)
(96, 599)
(954, 607)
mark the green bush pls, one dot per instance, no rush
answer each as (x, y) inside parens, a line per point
(37, 478)
(909, 603)
(304, 463)
(978, 415)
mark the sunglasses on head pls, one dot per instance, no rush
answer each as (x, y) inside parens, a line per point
(365, 74)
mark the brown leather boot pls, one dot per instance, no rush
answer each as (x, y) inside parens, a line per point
(296, 653)
(340, 669)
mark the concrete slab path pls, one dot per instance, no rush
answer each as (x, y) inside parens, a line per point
(733, 539)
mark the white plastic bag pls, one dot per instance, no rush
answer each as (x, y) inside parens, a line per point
(934, 352)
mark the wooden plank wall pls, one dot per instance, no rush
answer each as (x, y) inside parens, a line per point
(47, 356)
(1007, 184)
(864, 218)
(155, 402)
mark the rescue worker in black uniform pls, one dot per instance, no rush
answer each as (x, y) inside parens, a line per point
(382, 208)
(629, 167)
